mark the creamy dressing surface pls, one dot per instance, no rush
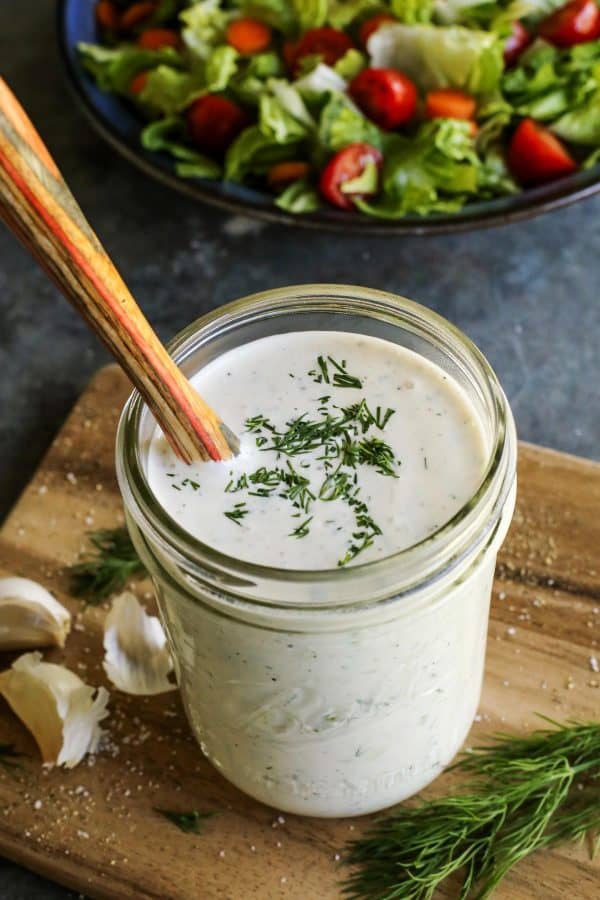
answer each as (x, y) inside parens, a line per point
(275, 508)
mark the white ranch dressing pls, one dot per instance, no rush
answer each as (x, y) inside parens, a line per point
(434, 433)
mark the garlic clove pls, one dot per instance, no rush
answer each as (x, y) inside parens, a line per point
(30, 616)
(137, 658)
(61, 711)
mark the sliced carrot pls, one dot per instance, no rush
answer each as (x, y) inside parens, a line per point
(136, 14)
(447, 103)
(248, 35)
(107, 15)
(156, 38)
(284, 173)
(137, 84)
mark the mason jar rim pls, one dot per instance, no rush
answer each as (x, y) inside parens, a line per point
(401, 571)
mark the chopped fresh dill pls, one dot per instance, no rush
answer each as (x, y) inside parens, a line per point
(302, 530)
(191, 822)
(113, 563)
(237, 513)
(522, 794)
(339, 437)
(338, 378)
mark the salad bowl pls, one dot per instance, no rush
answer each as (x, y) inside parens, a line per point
(120, 123)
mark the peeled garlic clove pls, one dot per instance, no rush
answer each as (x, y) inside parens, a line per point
(136, 659)
(30, 616)
(58, 708)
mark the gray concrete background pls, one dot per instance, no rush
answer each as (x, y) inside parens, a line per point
(526, 293)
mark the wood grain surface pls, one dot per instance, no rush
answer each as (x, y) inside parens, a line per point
(40, 210)
(95, 829)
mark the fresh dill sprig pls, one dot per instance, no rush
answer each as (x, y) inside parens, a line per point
(521, 795)
(191, 822)
(113, 563)
(9, 756)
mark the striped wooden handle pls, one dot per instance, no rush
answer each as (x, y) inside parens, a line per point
(38, 207)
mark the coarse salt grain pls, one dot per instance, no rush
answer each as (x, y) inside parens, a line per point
(511, 630)
(594, 666)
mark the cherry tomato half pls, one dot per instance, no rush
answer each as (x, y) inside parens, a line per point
(346, 165)
(575, 23)
(214, 123)
(370, 26)
(329, 43)
(386, 96)
(138, 83)
(157, 38)
(107, 15)
(447, 103)
(536, 156)
(517, 41)
(137, 13)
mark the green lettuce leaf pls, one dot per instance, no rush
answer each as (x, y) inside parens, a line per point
(113, 68)
(413, 12)
(350, 64)
(440, 57)
(253, 153)
(169, 135)
(299, 197)
(435, 171)
(279, 14)
(549, 83)
(341, 123)
(321, 80)
(204, 26)
(169, 90)
(220, 67)
(343, 13)
(310, 13)
(253, 73)
(581, 125)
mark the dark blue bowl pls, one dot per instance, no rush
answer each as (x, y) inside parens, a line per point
(119, 124)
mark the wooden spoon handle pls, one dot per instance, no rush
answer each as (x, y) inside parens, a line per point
(38, 207)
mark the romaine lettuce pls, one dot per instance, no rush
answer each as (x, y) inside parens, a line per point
(434, 57)
(169, 135)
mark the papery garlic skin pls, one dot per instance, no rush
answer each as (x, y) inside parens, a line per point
(30, 616)
(137, 659)
(61, 711)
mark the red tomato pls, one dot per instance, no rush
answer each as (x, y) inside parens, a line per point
(536, 156)
(137, 13)
(107, 15)
(386, 96)
(156, 38)
(447, 103)
(346, 165)
(214, 123)
(138, 83)
(329, 43)
(575, 23)
(516, 42)
(370, 26)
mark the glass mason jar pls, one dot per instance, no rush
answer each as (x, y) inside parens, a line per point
(331, 692)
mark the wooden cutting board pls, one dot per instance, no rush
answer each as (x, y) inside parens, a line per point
(94, 828)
